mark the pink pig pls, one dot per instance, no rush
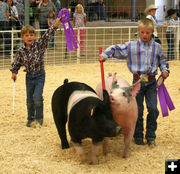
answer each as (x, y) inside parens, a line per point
(123, 105)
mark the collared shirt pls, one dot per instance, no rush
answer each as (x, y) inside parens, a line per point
(171, 22)
(156, 24)
(33, 58)
(142, 57)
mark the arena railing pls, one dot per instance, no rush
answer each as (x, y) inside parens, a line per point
(94, 38)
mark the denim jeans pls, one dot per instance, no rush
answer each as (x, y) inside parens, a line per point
(52, 41)
(43, 26)
(149, 92)
(170, 41)
(5, 38)
(34, 89)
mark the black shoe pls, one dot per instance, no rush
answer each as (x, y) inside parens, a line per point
(139, 141)
(28, 124)
(151, 143)
(40, 121)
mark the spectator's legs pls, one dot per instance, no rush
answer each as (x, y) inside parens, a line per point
(43, 26)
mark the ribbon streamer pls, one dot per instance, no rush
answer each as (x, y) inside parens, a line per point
(164, 98)
(71, 38)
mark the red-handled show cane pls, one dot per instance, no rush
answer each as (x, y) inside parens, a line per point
(102, 70)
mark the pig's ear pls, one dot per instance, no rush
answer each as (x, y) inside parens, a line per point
(106, 98)
(136, 88)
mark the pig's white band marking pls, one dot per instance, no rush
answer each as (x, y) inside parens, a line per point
(77, 96)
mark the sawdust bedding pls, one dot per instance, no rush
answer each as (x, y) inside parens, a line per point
(38, 150)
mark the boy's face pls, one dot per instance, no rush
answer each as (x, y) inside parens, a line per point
(145, 33)
(28, 38)
(152, 12)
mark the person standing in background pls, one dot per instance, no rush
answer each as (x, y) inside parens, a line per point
(4, 25)
(79, 20)
(44, 7)
(20, 9)
(13, 15)
(151, 11)
(58, 6)
(72, 6)
(103, 10)
(170, 33)
(51, 21)
(33, 12)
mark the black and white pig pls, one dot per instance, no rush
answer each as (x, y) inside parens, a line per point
(87, 116)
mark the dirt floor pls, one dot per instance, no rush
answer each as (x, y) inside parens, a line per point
(37, 149)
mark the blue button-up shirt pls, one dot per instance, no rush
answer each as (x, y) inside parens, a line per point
(142, 57)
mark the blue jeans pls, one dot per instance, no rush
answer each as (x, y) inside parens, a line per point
(43, 26)
(170, 41)
(34, 89)
(52, 41)
(149, 92)
(5, 37)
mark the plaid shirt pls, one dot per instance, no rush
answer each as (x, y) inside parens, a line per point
(172, 29)
(142, 58)
(33, 58)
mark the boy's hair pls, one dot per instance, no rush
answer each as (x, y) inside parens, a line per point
(28, 29)
(146, 23)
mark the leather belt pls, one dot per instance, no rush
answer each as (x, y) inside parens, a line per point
(149, 78)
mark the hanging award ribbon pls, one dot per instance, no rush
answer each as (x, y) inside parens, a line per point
(70, 35)
(164, 98)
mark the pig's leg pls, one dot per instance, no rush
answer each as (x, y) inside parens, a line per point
(78, 148)
(94, 155)
(128, 135)
(106, 146)
(60, 121)
(80, 152)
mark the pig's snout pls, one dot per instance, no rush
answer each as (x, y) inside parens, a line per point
(118, 130)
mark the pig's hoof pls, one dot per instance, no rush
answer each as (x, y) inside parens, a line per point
(94, 162)
(82, 157)
(105, 150)
(126, 155)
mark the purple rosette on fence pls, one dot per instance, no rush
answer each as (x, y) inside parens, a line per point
(70, 35)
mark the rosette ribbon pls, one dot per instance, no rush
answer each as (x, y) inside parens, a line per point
(70, 35)
(164, 98)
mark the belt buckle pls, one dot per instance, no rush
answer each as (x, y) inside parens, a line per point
(144, 78)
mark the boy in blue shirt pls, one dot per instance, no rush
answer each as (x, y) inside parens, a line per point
(143, 56)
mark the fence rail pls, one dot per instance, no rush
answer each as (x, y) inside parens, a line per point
(94, 38)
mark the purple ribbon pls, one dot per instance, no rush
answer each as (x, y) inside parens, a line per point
(164, 98)
(71, 38)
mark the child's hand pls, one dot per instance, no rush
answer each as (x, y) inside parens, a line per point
(165, 75)
(14, 76)
(101, 58)
(57, 23)
(165, 26)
